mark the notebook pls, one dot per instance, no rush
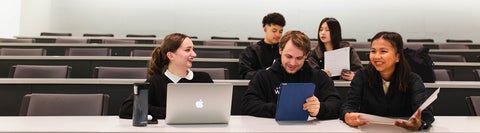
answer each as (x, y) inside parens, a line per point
(291, 99)
(197, 103)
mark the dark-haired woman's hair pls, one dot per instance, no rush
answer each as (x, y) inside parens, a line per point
(335, 34)
(159, 60)
(402, 68)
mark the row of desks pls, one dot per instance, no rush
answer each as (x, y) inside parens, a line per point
(450, 102)
(83, 66)
(237, 124)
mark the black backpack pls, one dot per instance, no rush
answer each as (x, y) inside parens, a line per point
(420, 63)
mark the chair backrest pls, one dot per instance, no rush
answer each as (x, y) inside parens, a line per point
(225, 38)
(476, 73)
(473, 104)
(39, 71)
(70, 40)
(120, 72)
(349, 39)
(219, 43)
(193, 37)
(64, 105)
(141, 35)
(55, 34)
(10, 40)
(141, 52)
(447, 58)
(459, 40)
(23, 52)
(453, 46)
(420, 40)
(88, 52)
(413, 45)
(98, 35)
(255, 38)
(443, 75)
(215, 73)
(213, 54)
(360, 45)
(118, 41)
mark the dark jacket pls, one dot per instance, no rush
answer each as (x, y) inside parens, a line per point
(316, 58)
(260, 98)
(362, 98)
(256, 57)
(157, 94)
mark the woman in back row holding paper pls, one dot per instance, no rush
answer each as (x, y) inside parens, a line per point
(330, 38)
(387, 87)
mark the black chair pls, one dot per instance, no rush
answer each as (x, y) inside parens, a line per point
(215, 73)
(213, 54)
(453, 46)
(349, 40)
(71, 40)
(255, 38)
(97, 35)
(447, 58)
(141, 53)
(459, 41)
(219, 43)
(443, 74)
(88, 52)
(39, 71)
(420, 40)
(193, 37)
(360, 45)
(55, 34)
(473, 104)
(10, 40)
(476, 74)
(413, 45)
(141, 35)
(118, 41)
(120, 72)
(64, 105)
(224, 38)
(23, 52)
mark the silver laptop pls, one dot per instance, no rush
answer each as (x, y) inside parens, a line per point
(198, 103)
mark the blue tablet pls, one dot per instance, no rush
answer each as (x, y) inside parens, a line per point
(291, 99)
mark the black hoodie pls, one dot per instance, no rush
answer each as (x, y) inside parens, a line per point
(260, 98)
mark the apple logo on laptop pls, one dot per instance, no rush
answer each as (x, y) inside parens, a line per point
(199, 103)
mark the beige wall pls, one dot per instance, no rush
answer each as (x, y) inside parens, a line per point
(360, 19)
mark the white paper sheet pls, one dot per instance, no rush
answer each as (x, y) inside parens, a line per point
(336, 60)
(389, 121)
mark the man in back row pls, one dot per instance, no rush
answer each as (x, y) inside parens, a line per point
(261, 97)
(260, 56)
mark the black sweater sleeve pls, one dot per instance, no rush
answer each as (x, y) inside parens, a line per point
(328, 96)
(255, 102)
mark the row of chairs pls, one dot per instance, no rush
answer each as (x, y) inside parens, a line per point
(104, 52)
(363, 45)
(447, 74)
(53, 71)
(249, 38)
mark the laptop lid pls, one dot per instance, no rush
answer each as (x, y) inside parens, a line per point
(291, 99)
(196, 103)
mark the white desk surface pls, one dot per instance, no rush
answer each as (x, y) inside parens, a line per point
(236, 124)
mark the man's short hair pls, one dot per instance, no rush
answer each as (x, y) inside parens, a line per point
(298, 38)
(273, 18)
